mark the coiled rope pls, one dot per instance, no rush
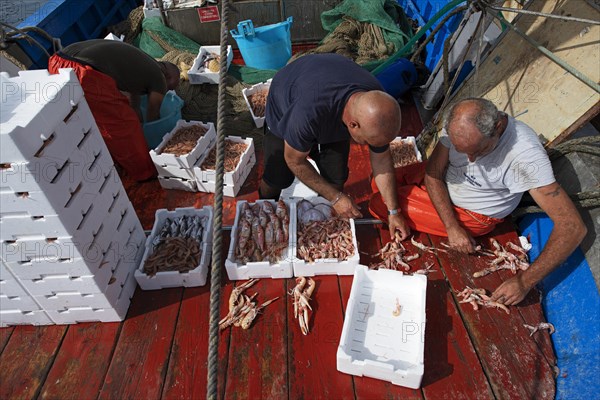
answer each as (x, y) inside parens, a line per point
(215, 274)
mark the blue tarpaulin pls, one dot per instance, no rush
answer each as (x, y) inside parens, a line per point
(572, 304)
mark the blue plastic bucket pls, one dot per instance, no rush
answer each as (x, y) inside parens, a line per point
(398, 77)
(265, 47)
(170, 113)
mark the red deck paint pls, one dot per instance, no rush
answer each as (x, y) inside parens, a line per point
(139, 363)
(85, 347)
(161, 349)
(26, 359)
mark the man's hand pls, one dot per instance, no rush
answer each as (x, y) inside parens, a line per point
(346, 208)
(511, 292)
(460, 240)
(397, 223)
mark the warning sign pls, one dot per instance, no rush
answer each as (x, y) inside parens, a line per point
(209, 14)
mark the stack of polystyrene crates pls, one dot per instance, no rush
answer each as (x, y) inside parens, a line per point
(70, 240)
(232, 181)
(176, 171)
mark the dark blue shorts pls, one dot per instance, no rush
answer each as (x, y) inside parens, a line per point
(331, 159)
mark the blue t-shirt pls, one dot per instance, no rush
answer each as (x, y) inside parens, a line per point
(307, 98)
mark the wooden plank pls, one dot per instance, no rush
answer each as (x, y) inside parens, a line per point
(187, 373)
(312, 358)
(82, 361)
(187, 369)
(26, 360)
(139, 363)
(513, 363)
(523, 82)
(258, 355)
(530, 309)
(5, 334)
(452, 368)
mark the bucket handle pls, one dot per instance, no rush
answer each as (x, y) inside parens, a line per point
(246, 28)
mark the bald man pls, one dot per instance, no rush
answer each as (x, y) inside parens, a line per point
(316, 104)
(476, 176)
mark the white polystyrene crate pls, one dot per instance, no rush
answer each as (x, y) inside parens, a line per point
(33, 105)
(18, 303)
(258, 120)
(34, 203)
(188, 160)
(413, 142)
(40, 247)
(98, 283)
(263, 269)
(232, 181)
(228, 190)
(68, 206)
(117, 231)
(165, 279)
(119, 237)
(73, 315)
(189, 185)
(51, 225)
(38, 268)
(323, 266)
(91, 144)
(247, 160)
(9, 285)
(169, 171)
(122, 286)
(198, 74)
(16, 317)
(33, 213)
(57, 181)
(375, 342)
(38, 176)
(17, 248)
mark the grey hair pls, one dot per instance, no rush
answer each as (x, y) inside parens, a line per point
(485, 119)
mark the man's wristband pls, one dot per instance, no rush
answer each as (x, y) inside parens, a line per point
(394, 212)
(337, 198)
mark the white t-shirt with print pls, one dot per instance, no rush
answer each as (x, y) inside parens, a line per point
(494, 184)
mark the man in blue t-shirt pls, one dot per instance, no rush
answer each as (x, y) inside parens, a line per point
(315, 105)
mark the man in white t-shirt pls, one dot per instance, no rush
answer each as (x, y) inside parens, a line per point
(483, 163)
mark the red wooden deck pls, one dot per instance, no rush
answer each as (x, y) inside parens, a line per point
(160, 350)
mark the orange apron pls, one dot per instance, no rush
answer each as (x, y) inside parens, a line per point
(418, 210)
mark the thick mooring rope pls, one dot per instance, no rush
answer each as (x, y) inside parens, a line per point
(215, 274)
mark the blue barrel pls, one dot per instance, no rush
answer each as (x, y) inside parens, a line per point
(265, 47)
(398, 77)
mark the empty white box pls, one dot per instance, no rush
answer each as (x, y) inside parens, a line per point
(380, 339)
